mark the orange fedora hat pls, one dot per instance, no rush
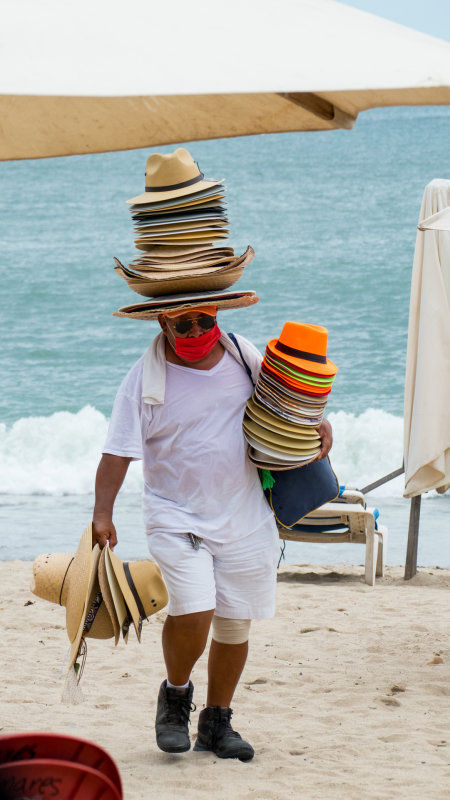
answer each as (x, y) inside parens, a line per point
(304, 346)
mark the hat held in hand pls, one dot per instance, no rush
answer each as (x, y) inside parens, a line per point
(102, 595)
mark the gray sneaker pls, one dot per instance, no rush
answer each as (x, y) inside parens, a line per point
(216, 734)
(172, 718)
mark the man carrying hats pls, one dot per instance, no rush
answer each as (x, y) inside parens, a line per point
(208, 524)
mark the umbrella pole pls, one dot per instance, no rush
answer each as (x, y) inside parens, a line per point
(413, 538)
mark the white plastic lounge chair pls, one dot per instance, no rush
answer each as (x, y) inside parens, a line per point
(345, 520)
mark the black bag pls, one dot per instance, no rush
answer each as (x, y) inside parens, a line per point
(297, 492)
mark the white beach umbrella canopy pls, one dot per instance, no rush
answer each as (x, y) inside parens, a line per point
(98, 76)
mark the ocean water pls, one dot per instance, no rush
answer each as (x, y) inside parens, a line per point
(332, 217)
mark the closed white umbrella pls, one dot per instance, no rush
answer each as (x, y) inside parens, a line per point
(437, 222)
(103, 75)
(426, 432)
(427, 383)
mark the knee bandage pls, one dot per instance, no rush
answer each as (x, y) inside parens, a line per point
(230, 631)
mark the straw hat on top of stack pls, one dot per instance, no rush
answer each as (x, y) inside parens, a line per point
(180, 225)
(289, 400)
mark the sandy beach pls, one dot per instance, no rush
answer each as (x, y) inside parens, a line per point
(338, 697)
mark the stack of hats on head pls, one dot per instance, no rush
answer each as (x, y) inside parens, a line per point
(289, 400)
(103, 596)
(180, 227)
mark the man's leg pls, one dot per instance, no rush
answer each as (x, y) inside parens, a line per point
(227, 657)
(184, 640)
(225, 665)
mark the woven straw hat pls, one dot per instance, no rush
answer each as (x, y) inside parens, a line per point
(166, 284)
(268, 419)
(52, 574)
(107, 595)
(153, 308)
(64, 578)
(154, 283)
(171, 175)
(95, 621)
(49, 572)
(102, 596)
(142, 586)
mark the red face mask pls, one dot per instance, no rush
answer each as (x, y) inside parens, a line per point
(195, 348)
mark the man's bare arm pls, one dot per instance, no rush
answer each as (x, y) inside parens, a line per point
(110, 476)
(326, 434)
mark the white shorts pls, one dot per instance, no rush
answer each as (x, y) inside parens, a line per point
(236, 579)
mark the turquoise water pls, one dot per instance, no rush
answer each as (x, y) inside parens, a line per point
(332, 217)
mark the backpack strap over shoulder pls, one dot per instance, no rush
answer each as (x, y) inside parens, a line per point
(247, 368)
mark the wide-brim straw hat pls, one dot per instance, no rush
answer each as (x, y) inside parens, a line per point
(288, 414)
(153, 308)
(207, 282)
(142, 587)
(107, 594)
(172, 175)
(263, 461)
(99, 602)
(172, 254)
(305, 346)
(95, 621)
(297, 406)
(166, 282)
(287, 458)
(210, 260)
(278, 441)
(60, 578)
(64, 578)
(272, 421)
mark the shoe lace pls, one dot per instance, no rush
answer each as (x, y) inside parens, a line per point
(223, 727)
(179, 708)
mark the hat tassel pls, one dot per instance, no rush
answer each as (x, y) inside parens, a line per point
(267, 479)
(72, 693)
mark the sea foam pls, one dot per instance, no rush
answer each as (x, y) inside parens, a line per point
(54, 455)
(59, 454)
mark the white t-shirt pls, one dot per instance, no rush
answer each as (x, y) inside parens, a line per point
(197, 476)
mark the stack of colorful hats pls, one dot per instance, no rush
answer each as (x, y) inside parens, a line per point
(178, 220)
(289, 400)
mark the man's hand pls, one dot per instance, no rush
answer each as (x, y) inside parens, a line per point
(326, 434)
(110, 476)
(103, 531)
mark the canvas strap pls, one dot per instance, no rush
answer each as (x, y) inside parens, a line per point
(247, 368)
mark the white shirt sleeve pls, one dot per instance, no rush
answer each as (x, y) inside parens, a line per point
(124, 436)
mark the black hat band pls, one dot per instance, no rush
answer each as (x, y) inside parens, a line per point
(175, 185)
(291, 351)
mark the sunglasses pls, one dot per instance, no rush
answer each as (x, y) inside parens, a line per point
(205, 321)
